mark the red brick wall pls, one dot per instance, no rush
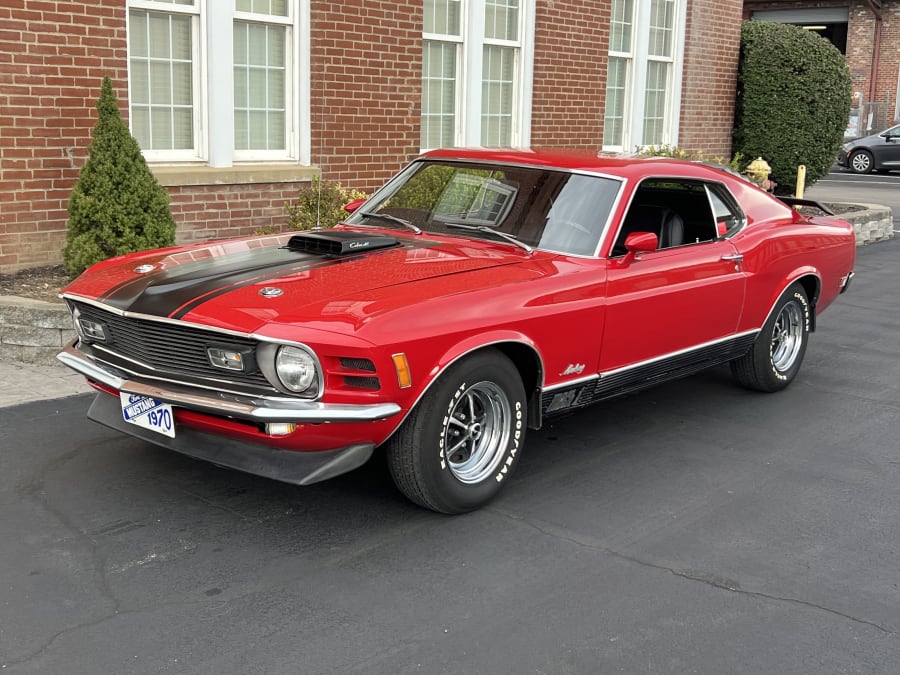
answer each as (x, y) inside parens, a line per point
(712, 46)
(366, 74)
(220, 211)
(53, 56)
(571, 44)
(860, 51)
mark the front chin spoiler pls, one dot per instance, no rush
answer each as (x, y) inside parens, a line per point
(287, 466)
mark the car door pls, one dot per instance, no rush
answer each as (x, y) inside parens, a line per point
(673, 300)
(889, 152)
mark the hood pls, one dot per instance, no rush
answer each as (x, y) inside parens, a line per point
(242, 284)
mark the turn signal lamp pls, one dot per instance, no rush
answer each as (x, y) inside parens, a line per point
(401, 365)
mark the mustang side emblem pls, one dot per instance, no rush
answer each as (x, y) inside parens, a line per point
(573, 369)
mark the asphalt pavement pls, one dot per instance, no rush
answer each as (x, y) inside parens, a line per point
(875, 188)
(693, 528)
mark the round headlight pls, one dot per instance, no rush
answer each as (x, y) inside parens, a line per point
(296, 369)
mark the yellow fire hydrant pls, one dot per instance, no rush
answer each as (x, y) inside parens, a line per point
(758, 171)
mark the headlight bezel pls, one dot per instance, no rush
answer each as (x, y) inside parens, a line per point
(269, 354)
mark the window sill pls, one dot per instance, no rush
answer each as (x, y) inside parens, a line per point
(243, 174)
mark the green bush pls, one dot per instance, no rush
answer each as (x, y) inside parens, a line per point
(793, 100)
(117, 206)
(319, 204)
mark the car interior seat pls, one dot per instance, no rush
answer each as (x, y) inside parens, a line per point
(660, 220)
(672, 230)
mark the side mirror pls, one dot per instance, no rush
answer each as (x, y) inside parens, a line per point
(639, 242)
(355, 204)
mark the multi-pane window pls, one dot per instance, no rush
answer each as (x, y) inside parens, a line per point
(640, 86)
(498, 72)
(261, 58)
(441, 50)
(659, 70)
(462, 38)
(161, 56)
(219, 81)
(617, 77)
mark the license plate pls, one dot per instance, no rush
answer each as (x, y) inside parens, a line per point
(148, 413)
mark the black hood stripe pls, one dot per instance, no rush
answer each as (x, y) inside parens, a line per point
(241, 280)
(177, 291)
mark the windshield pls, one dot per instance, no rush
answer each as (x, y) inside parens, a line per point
(548, 209)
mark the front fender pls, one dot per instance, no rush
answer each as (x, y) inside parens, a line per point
(521, 350)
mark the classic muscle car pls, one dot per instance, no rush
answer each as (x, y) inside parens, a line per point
(474, 296)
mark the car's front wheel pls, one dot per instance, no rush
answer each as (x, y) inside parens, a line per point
(460, 444)
(860, 161)
(774, 360)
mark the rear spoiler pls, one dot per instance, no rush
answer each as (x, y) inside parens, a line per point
(794, 201)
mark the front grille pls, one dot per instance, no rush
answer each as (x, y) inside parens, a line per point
(163, 349)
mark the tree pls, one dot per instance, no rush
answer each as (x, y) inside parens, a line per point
(793, 100)
(117, 206)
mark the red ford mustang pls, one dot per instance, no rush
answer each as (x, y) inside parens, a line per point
(474, 296)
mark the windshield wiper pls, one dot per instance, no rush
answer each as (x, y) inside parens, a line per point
(391, 219)
(490, 230)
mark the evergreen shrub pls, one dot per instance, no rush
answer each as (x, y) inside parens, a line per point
(117, 206)
(793, 100)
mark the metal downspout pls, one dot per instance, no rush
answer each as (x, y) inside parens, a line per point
(876, 51)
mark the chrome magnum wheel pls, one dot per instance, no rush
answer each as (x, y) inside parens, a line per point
(459, 445)
(774, 360)
(788, 336)
(476, 432)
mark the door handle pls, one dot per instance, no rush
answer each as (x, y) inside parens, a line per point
(736, 257)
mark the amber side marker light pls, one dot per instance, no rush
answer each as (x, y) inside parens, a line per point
(401, 365)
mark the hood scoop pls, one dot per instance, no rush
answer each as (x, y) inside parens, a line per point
(338, 243)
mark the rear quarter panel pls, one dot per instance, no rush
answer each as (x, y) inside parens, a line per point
(781, 245)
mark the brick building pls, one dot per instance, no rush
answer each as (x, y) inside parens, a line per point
(868, 33)
(236, 104)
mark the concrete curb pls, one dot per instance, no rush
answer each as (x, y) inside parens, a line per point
(872, 223)
(32, 331)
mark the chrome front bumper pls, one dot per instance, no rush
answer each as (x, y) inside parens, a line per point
(256, 409)
(297, 468)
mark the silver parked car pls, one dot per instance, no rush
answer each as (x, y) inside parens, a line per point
(878, 152)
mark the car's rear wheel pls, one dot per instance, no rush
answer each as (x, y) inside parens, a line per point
(860, 161)
(460, 444)
(774, 360)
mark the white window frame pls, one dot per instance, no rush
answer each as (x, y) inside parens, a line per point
(636, 78)
(213, 81)
(291, 99)
(198, 81)
(459, 42)
(469, 72)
